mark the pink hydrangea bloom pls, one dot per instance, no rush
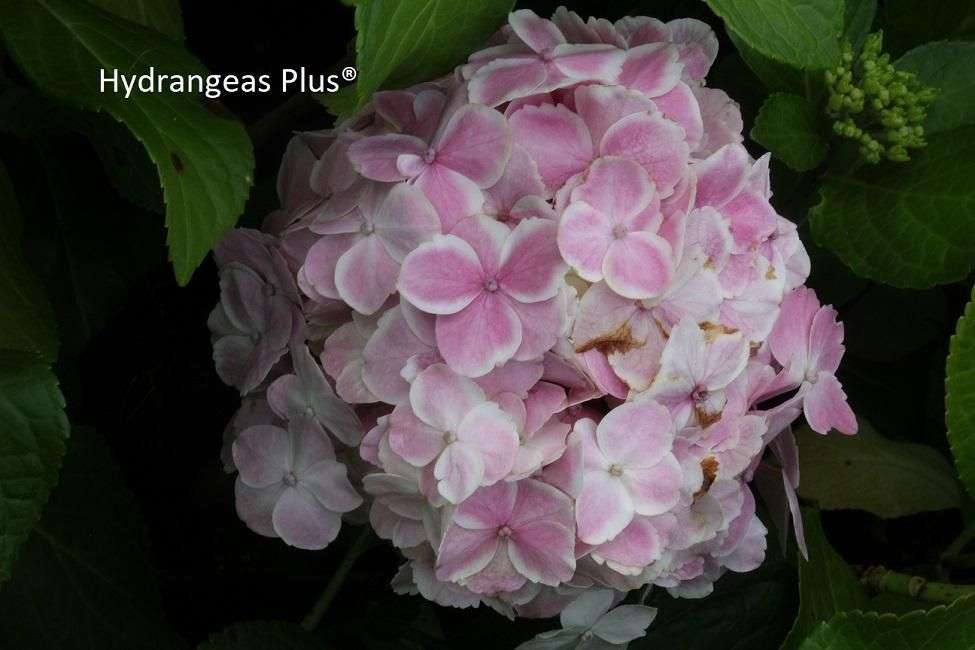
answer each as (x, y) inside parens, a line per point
(628, 469)
(808, 342)
(553, 289)
(290, 485)
(493, 290)
(449, 423)
(509, 533)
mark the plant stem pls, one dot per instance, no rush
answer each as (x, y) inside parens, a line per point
(958, 546)
(880, 579)
(314, 617)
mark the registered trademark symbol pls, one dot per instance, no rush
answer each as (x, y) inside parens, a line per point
(349, 73)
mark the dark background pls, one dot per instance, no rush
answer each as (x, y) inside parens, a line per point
(145, 381)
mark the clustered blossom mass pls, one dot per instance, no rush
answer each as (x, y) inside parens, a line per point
(536, 320)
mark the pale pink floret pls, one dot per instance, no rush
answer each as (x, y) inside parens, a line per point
(609, 230)
(544, 62)
(358, 260)
(466, 155)
(507, 534)
(808, 341)
(697, 365)
(290, 484)
(307, 394)
(449, 422)
(628, 469)
(493, 290)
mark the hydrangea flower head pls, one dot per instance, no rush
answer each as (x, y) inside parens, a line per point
(546, 313)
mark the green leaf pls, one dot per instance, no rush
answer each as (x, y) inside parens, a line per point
(262, 635)
(911, 225)
(164, 16)
(26, 318)
(402, 42)
(85, 579)
(909, 23)
(745, 611)
(858, 16)
(948, 67)
(803, 34)
(33, 429)
(791, 128)
(341, 103)
(826, 584)
(204, 158)
(90, 247)
(940, 628)
(776, 76)
(885, 324)
(869, 472)
(960, 396)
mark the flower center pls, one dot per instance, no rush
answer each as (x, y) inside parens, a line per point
(504, 531)
(429, 155)
(620, 231)
(491, 285)
(700, 395)
(586, 636)
(615, 470)
(367, 228)
(269, 290)
(449, 437)
(309, 411)
(290, 479)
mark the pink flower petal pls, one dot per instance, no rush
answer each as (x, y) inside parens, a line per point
(589, 61)
(452, 194)
(653, 141)
(319, 267)
(636, 434)
(616, 187)
(603, 106)
(489, 508)
(680, 105)
(640, 265)
(502, 80)
(386, 354)
(255, 506)
(375, 157)
(697, 44)
(652, 69)
(537, 33)
(262, 455)
(412, 439)
(825, 407)
(459, 471)
(328, 482)
(465, 552)
(483, 335)
(476, 143)
(302, 522)
(531, 267)
(405, 220)
(442, 398)
(486, 236)
(491, 432)
(584, 236)
(789, 339)
(544, 552)
(366, 275)
(556, 138)
(442, 276)
(520, 180)
(654, 490)
(603, 508)
(722, 175)
(825, 341)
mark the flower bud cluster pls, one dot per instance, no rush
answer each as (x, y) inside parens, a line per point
(875, 104)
